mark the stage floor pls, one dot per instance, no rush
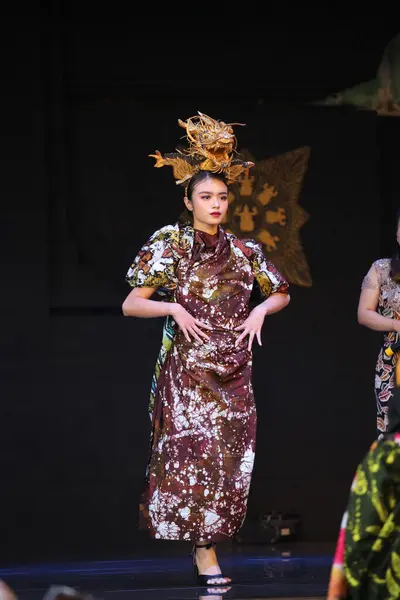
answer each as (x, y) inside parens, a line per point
(284, 571)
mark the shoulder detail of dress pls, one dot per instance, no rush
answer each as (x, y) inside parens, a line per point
(247, 246)
(381, 268)
(155, 263)
(269, 279)
(382, 264)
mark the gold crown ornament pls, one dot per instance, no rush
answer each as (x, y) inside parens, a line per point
(212, 147)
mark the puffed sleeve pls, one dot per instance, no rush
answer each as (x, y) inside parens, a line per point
(154, 265)
(269, 279)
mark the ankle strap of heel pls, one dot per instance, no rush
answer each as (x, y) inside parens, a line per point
(205, 546)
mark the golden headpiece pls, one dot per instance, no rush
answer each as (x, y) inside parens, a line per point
(211, 148)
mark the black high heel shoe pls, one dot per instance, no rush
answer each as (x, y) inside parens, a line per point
(207, 580)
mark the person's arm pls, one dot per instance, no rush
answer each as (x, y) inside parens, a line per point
(254, 322)
(138, 304)
(273, 287)
(368, 303)
(274, 303)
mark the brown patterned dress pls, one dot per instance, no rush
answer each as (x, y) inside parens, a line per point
(202, 405)
(388, 306)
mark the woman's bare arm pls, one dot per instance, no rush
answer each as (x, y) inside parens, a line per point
(275, 303)
(138, 304)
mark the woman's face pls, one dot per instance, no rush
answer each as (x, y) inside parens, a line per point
(209, 204)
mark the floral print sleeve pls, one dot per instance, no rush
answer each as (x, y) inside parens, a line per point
(268, 277)
(154, 265)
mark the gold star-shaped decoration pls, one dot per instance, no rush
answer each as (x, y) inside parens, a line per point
(263, 205)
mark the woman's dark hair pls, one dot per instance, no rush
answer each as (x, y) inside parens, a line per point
(201, 176)
(395, 262)
(187, 215)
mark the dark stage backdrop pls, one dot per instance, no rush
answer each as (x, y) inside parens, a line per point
(76, 384)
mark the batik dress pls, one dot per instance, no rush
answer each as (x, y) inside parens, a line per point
(202, 405)
(366, 564)
(388, 306)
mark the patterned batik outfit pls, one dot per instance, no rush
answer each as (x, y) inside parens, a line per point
(366, 565)
(388, 306)
(202, 405)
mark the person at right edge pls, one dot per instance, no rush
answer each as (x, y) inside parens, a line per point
(366, 564)
(379, 309)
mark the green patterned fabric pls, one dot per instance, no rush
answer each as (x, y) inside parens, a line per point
(367, 559)
(372, 542)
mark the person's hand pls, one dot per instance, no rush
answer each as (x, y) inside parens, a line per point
(252, 326)
(396, 325)
(188, 324)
